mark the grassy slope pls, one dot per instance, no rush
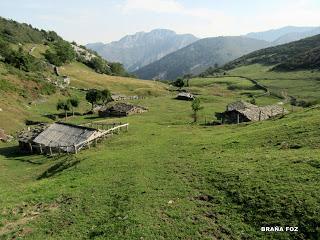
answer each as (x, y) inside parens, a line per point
(167, 179)
(21, 99)
(82, 76)
(300, 84)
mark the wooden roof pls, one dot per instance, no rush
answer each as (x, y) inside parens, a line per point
(62, 134)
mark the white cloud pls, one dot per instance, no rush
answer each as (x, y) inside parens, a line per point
(171, 7)
(158, 6)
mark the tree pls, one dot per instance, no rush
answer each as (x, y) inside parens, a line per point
(74, 102)
(196, 106)
(187, 77)
(179, 83)
(117, 69)
(64, 105)
(93, 96)
(106, 96)
(99, 65)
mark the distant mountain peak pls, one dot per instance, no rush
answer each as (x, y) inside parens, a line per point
(142, 48)
(200, 55)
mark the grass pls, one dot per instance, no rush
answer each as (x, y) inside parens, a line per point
(169, 179)
(300, 84)
(83, 76)
(24, 98)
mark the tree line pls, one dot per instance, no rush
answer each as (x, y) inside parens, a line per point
(93, 96)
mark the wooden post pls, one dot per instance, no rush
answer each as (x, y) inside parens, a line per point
(127, 127)
(50, 150)
(40, 148)
(75, 149)
(260, 115)
(238, 118)
(30, 146)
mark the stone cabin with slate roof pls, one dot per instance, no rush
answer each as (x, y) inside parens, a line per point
(121, 110)
(242, 111)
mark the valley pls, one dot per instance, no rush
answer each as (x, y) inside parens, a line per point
(168, 177)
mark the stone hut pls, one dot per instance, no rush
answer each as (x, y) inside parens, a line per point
(185, 96)
(27, 136)
(241, 111)
(121, 110)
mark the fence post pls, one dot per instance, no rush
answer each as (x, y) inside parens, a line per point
(30, 146)
(50, 150)
(238, 118)
(75, 149)
(260, 115)
(40, 148)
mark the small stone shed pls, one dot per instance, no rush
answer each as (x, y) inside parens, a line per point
(121, 110)
(242, 111)
(185, 96)
(27, 136)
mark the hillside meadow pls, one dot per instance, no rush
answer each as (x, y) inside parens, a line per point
(301, 84)
(167, 178)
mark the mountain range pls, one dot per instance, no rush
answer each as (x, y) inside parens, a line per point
(200, 55)
(142, 48)
(299, 55)
(163, 54)
(285, 34)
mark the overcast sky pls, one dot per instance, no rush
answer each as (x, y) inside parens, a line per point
(87, 21)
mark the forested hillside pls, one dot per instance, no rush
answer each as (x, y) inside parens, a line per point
(302, 54)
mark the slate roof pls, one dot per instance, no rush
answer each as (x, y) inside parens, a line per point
(185, 95)
(124, 107)
(255, 113)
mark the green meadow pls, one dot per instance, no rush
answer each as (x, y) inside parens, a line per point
(302, 85)
(167, 178)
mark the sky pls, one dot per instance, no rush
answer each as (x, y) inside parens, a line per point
(88, 21)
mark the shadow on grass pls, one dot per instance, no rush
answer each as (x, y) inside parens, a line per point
(14, 153)
(58, 167)
(92, 117)
(11, 152)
